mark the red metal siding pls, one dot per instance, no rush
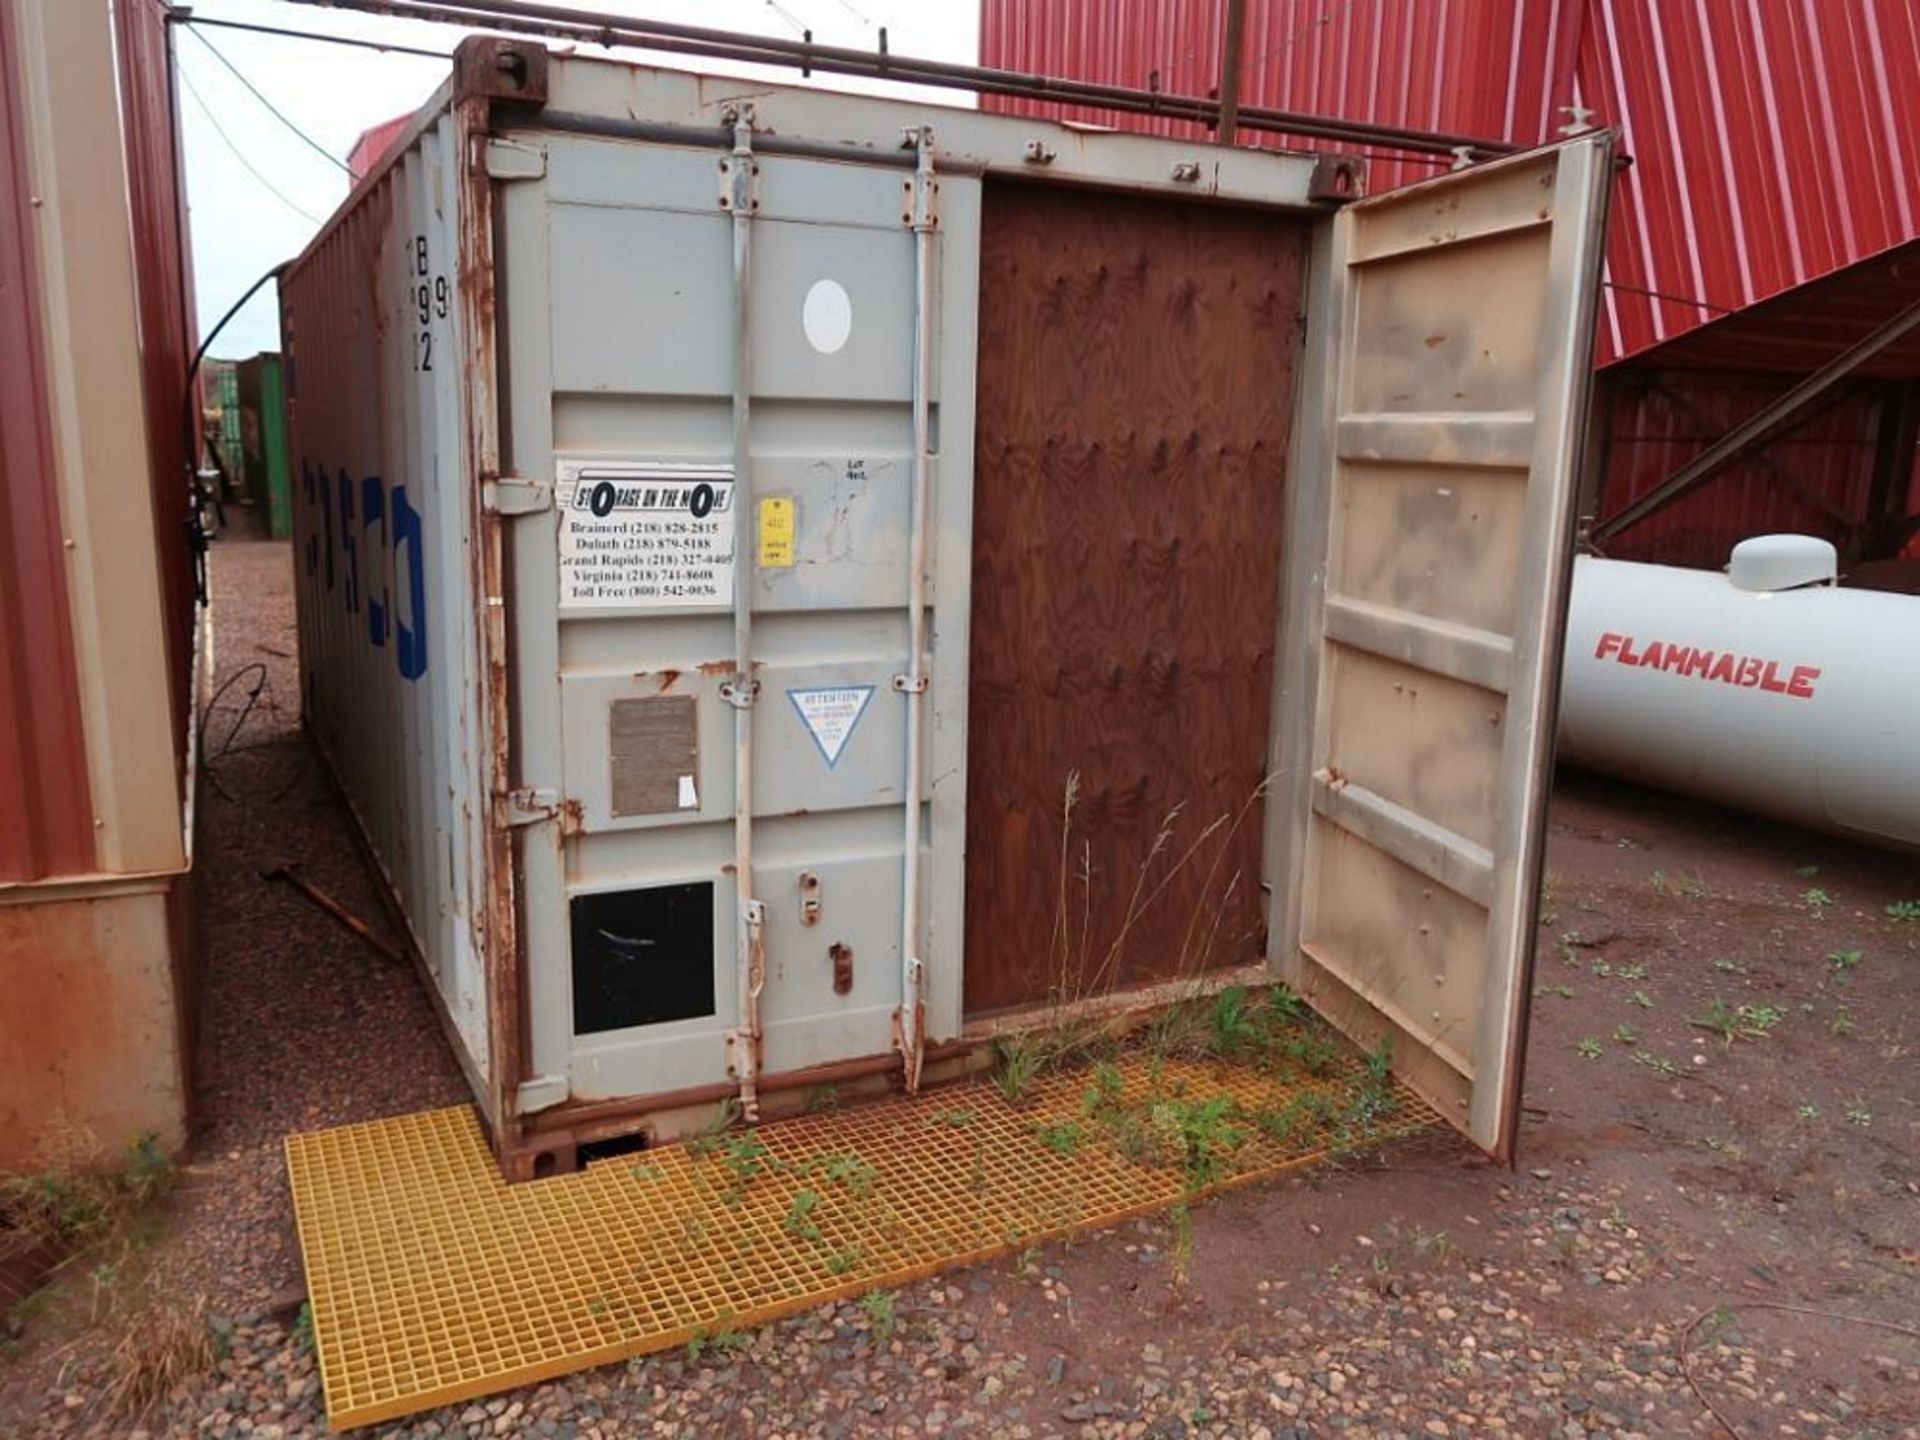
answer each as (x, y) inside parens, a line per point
(1811, 481)
(1773, 140)
(161, 277)
(1471, 67)
(46, 820)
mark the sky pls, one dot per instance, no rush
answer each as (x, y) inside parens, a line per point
(257, 191)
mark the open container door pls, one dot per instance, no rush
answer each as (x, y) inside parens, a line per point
(1426, 599)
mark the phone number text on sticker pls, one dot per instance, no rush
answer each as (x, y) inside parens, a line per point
(645, 536)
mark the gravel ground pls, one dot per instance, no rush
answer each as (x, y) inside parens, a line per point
(1417, 1293)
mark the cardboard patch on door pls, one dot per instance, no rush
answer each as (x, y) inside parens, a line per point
(830, 714)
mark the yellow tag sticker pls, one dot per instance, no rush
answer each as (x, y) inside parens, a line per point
(776, 532)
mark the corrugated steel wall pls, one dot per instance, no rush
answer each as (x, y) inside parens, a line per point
(52, 827)
(46, 823)
(1475, 67)
(163, 281)
(1774, 140)
(1812, 481)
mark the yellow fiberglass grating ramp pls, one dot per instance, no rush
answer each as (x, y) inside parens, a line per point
(432, 1280)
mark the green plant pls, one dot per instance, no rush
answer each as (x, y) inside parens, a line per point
(848, 1170)
(881, 1313)
(1017, 1060)
(1374, 1099)
(1808, 1112)
(647, 1170)
(1842, 964)
(1061, 1137)
(1904, 910)
(1602, 969)
(1590, 1048)
(951, 1119)
(1806, 872)
(842, 1262)
(1817, 900)
(1721, 1018)
(1630, 972)
(1106, 1086)
(1842, 1022)
(723, 1340)
(1659, 1064)
(1236, 1028)
(79, 1202)
(1640, 998)
(1733, 1022)
(1204, 1135)
(1626, 1035)
(1859, 1114)
(1729, 966)
(800, 1210)
(1284, 1005)
(1565, 992)
(302, 1335)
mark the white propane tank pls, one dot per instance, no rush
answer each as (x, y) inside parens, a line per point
(1766, 688)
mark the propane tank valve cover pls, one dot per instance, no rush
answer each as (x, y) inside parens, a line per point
(1783, 562)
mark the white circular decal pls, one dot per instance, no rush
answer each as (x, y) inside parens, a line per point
(827, 316)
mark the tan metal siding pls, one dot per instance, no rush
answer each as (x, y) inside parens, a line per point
(47, 828)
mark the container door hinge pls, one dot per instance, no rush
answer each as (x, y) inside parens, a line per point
(739, 171)
(542, 1092)
(504, 160)
(911, 684)
(531, 806)
(920, 195)
(516, 495)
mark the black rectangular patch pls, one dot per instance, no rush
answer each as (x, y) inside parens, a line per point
(642, 957)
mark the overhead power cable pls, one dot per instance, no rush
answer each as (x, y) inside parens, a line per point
(245, 163)
(273, 110)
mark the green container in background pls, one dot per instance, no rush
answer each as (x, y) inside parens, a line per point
(263, 439)
(221, 421)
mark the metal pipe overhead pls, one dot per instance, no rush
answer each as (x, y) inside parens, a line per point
(600, 28)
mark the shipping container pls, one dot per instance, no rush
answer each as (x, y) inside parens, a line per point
(261, 396)
(731, 521)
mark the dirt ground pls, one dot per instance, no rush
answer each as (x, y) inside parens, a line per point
(1714, 1228)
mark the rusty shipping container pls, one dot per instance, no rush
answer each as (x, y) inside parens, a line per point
(730, 519)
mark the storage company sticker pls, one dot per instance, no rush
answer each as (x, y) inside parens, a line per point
(830, 715)
(644, 536)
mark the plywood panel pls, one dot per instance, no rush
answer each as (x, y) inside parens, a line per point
(1135, 389)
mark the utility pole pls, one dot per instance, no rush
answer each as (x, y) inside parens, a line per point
(1230, 46)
